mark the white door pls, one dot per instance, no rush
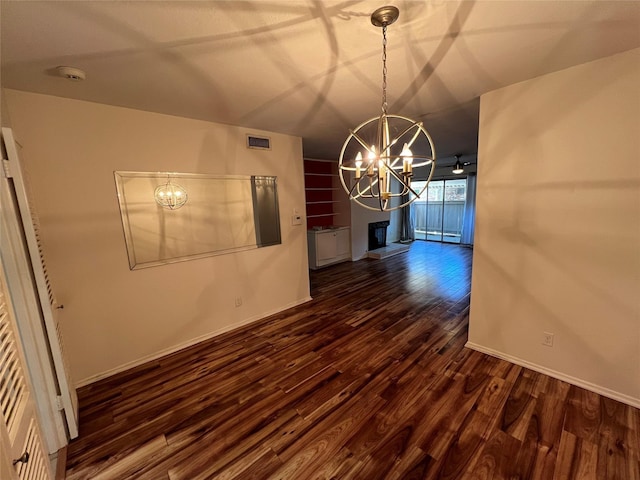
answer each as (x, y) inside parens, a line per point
(48, 304)
(21, 447)
(343, 242)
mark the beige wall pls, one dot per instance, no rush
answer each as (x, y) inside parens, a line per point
(557, 245)
(115, 317)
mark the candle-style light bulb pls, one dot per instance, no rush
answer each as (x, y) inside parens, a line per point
(407, 159)
(358, 164)
(371, 156)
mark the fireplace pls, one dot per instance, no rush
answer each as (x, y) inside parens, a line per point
(378, 235)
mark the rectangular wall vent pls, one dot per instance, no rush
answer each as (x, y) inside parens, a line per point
(262, 143)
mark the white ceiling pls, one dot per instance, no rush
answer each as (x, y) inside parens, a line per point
(306, 67)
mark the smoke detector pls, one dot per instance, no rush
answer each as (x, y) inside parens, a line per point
(71, 73)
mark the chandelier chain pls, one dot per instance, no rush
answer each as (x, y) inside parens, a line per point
(384, 69)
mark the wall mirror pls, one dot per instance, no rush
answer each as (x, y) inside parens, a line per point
(173, 217)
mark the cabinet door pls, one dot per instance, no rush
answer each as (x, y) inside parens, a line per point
(325, 246)
(343, 243)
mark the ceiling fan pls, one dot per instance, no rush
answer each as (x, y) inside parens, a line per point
(458, 168)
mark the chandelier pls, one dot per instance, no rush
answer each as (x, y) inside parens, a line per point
(170, 195)
(381, 155)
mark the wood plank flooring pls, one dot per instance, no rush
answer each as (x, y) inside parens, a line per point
(370, 380)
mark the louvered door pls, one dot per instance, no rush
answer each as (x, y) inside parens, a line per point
(48, 303)
(21, 446)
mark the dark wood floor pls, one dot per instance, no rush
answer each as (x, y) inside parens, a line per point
(370, 380)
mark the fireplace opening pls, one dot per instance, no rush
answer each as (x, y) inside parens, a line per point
(378, 235)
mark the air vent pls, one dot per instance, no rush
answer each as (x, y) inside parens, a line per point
(261, 143)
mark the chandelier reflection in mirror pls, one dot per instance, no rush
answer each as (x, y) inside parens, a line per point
(170, 195)
(381, 155)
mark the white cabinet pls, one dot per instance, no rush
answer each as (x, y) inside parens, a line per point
(328, 246)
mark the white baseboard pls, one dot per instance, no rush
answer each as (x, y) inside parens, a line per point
(621, 397)
(168, 351)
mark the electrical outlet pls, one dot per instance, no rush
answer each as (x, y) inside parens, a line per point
(238, 301)
(547, 339)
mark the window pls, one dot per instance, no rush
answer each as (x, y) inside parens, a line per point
(439, 212)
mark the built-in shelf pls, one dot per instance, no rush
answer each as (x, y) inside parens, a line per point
(321, 187)
(322, 215)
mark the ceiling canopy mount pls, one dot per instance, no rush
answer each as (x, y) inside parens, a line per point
(385, 16)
